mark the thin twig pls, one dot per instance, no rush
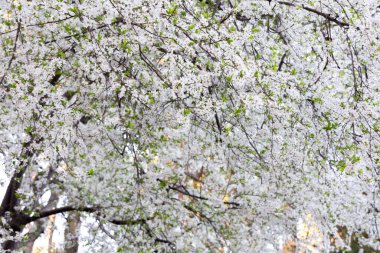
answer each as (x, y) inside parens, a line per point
(13, 53)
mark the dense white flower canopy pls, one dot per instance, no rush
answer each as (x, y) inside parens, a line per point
(190, 125)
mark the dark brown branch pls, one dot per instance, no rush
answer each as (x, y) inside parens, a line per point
(64, 209)
(185, 192)
(325, 15)
(218, 123)
(281, 62)
(129, 222)
(54, 80)
(51, 22)
(241, 17)
(150, 65)
(13, 53)
(10, 200)
(225, 18)
(164, 241)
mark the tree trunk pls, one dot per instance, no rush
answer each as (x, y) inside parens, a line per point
(39, 226)
(72, 233)
(15, 220)
(49, 233)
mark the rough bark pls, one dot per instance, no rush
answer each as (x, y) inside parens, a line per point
(72, 233)
(15, 220)
(39, 226)
(38, 229)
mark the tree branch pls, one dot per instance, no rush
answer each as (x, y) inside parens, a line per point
(64, 209)
(118, 20)
(44, 214)
(13, 53)
(325, 15)
(185, 192)
(10, 200)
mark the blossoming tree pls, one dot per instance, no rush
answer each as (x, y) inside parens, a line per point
(192, 125)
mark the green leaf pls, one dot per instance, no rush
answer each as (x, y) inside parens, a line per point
(75, 10)
(163, 184)
(229, 40)
(354, 159)
(317, 100)
(30, 89)
(29, 129)
(341, 165)
(61, 54)
(130, 125)
(330, 126)
(164, 138)
(186, 111)
(90, 172)
(172, 10)
(255, 30)
(99, 18)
